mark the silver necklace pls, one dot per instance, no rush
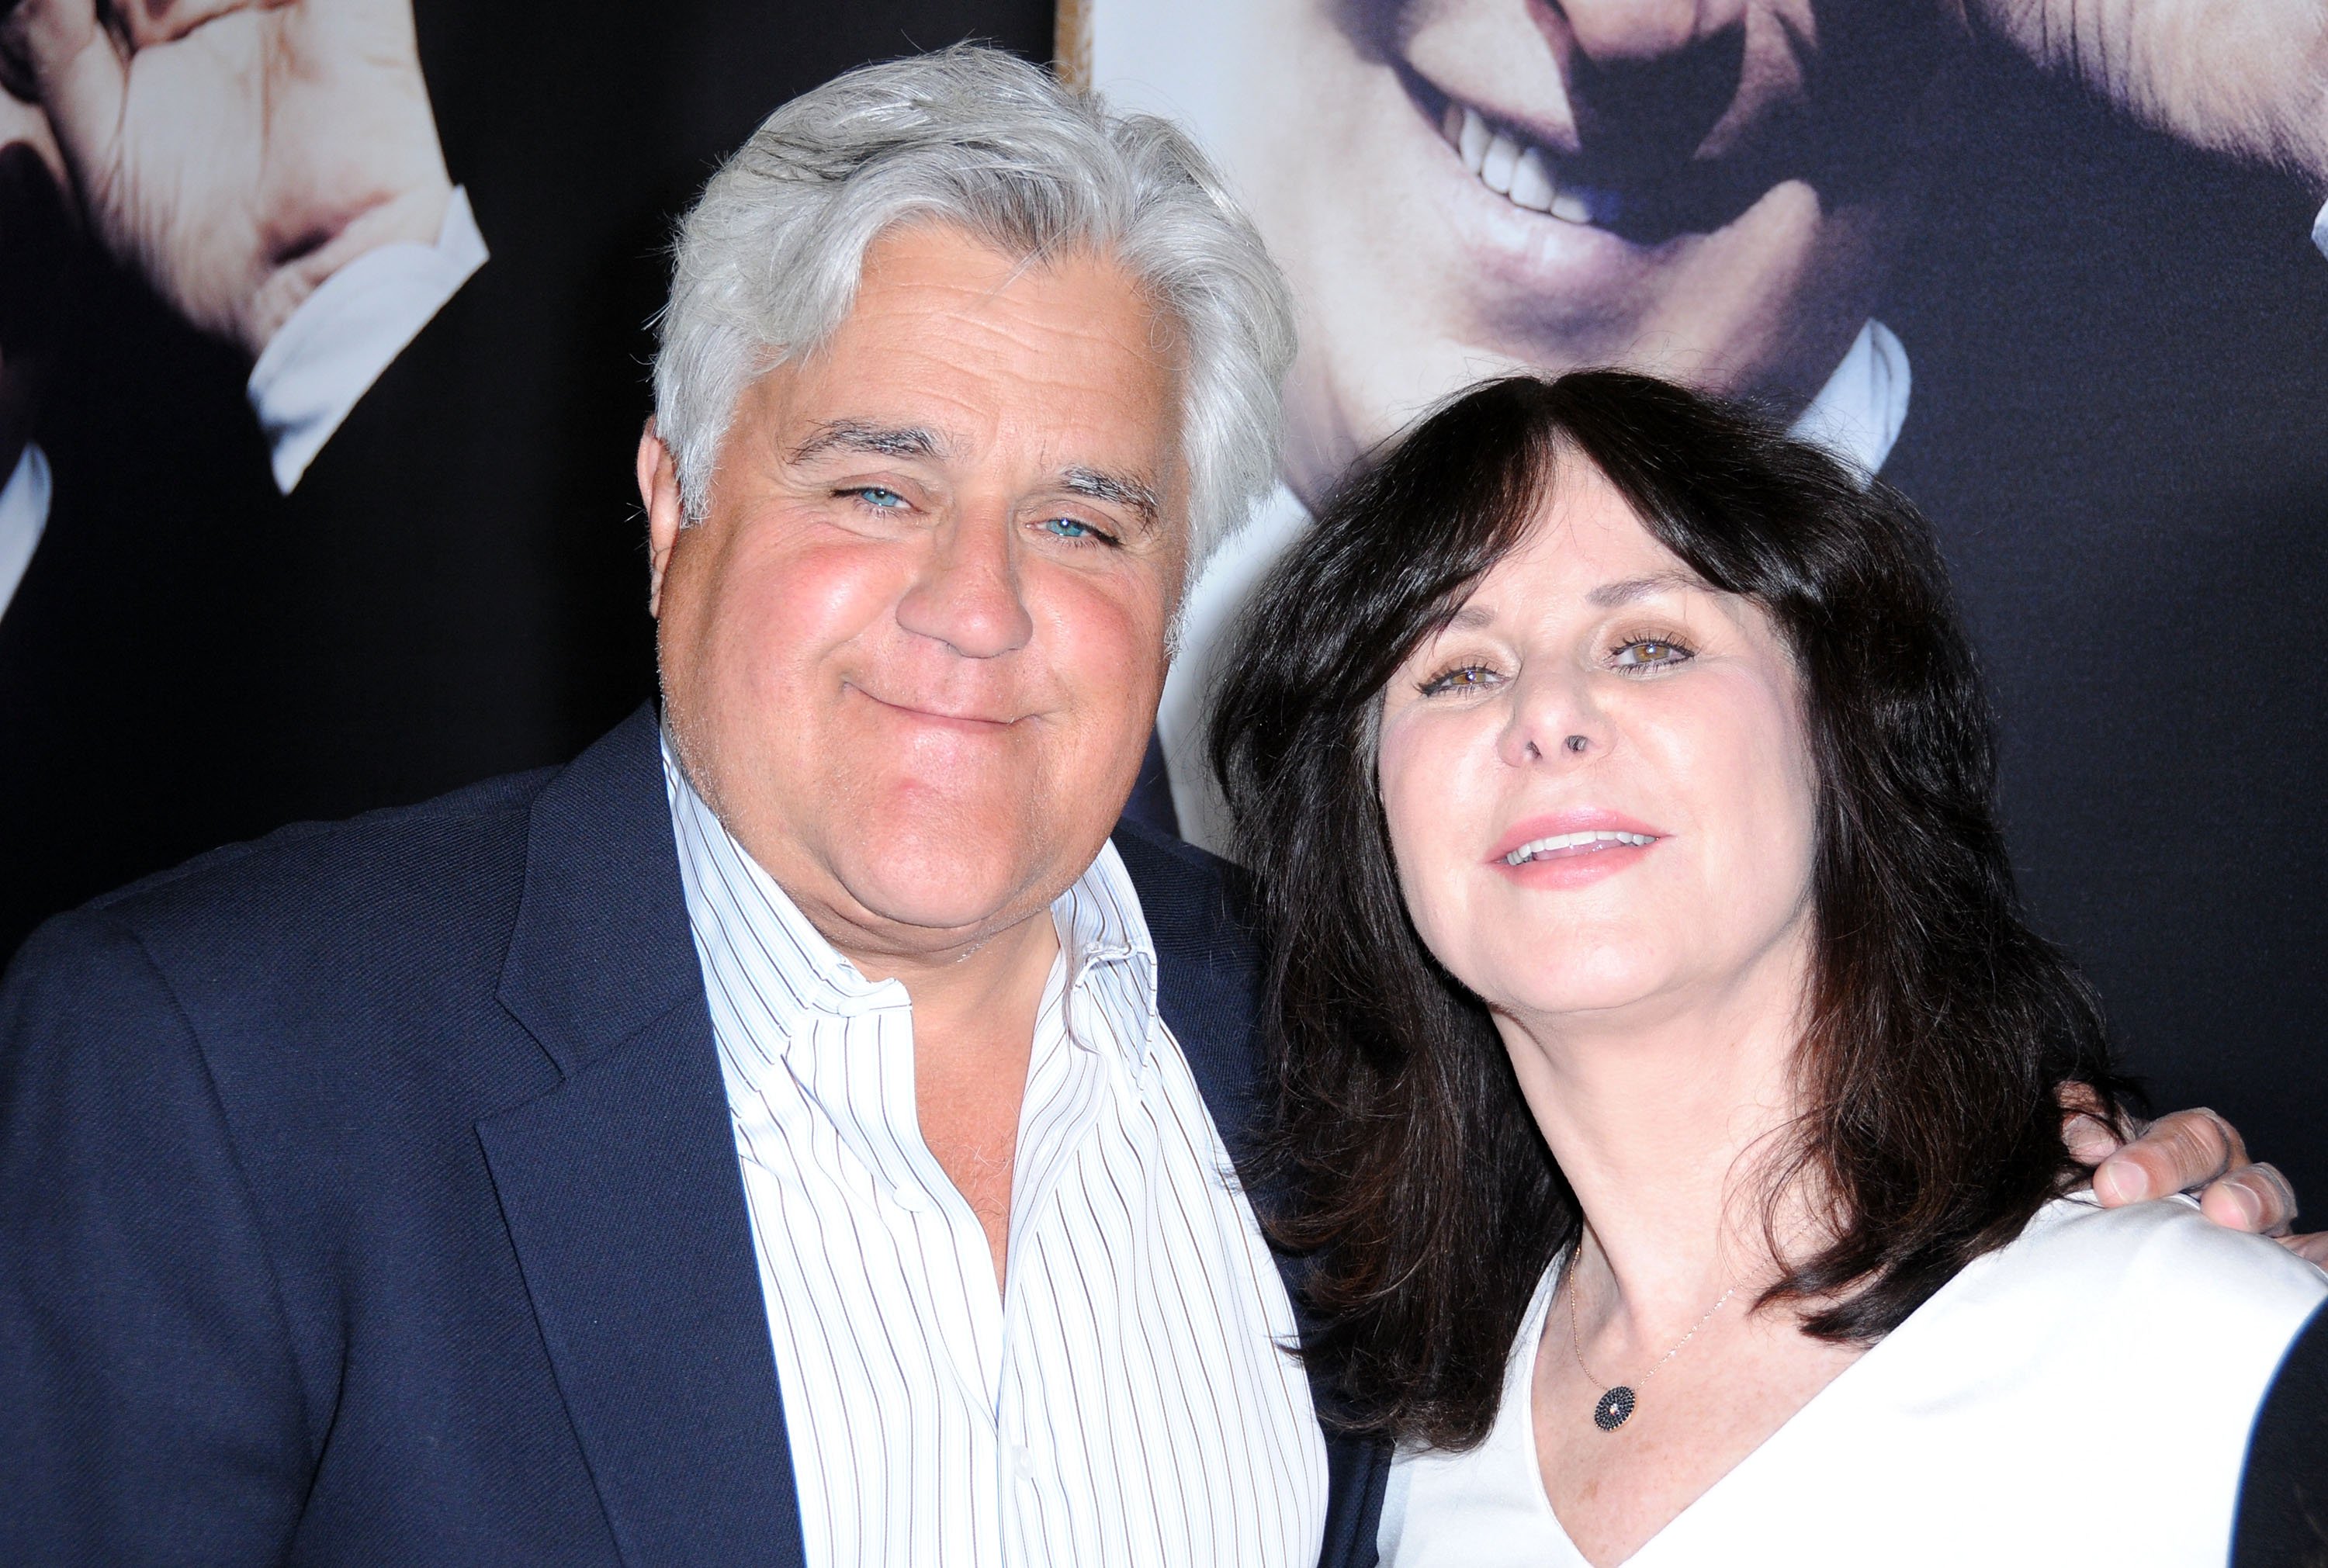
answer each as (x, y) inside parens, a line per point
(1616, 1405)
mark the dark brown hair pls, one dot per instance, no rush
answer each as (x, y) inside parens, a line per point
(1941, 1028)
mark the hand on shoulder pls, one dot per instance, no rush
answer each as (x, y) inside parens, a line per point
(2198, 1152)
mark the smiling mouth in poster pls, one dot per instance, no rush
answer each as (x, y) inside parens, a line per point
(2086, 227)
(1720, 193)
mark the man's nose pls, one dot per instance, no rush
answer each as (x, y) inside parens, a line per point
(1648, 79)
(967, 593)
(1648, 32)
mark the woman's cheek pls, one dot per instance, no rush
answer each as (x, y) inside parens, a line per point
(1416, 820)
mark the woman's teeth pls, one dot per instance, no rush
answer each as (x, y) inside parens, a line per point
(1517, 170)
(1575, 844)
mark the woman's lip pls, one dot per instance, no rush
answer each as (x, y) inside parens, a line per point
(1571, 834)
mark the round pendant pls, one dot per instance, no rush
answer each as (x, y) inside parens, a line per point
(1615, 1407)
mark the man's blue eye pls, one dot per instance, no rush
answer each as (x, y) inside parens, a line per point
(1068, 528)
(887, 500)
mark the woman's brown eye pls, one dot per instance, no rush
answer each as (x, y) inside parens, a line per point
(1650, 653)
(1469, 677)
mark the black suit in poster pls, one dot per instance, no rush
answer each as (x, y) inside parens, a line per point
(457, 586)
(2120, 431)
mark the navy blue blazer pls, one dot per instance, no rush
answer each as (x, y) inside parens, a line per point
(367, 1196)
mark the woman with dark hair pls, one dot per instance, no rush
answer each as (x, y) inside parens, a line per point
(1670, 1087)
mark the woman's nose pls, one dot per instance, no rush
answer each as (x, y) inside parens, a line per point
(968, 595)
(1553, 721)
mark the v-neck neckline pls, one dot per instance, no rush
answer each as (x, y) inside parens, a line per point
(1814, 1414)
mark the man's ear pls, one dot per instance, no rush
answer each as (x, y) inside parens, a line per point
(659, 494)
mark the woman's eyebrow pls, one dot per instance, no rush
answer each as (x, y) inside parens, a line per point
(1631, 590)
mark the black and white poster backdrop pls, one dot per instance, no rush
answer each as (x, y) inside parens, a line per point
(322, 338)
(2048, 265)
(322, 325)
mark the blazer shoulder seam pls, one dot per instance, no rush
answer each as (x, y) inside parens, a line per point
(293, 835)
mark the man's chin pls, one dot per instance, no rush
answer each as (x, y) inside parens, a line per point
(953, 892)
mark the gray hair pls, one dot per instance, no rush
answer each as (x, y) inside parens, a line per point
(769, 257)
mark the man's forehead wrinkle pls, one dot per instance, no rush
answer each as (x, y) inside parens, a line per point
(991, 303)
(1016, 320)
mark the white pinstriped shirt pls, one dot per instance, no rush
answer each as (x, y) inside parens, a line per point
(1125, 1400)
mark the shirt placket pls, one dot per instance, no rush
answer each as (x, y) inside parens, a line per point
(937, 1224)
(1067, 1092)
(861, 1075)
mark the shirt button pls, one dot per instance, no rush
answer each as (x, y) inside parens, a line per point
(912, 1199)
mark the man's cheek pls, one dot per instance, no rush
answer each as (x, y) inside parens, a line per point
(1125, 627)
(818, 598)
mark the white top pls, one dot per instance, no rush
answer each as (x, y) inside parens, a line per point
(1979, 1432)
(1857, 416)
(1125, 1402)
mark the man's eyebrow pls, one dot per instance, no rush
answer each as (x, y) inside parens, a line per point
(862, 436)
(1117, 489)
(1632, 591)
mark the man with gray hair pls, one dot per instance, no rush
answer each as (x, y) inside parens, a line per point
(792, 1132)
(795, 1132)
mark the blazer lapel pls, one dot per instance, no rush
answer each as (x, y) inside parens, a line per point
(620, 1188)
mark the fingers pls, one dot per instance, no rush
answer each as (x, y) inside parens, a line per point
(35, 35)
(2179, 1153)
(58, 53)
(2089, 1135)
(2313, 1248)
(2234, 78)
(145, 23)
(69, 55)
(22, 120)
(2252, 1197)
(2091, 1139)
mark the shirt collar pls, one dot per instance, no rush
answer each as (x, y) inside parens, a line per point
(744, 921)
(1104, 938)
(1858, 414)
